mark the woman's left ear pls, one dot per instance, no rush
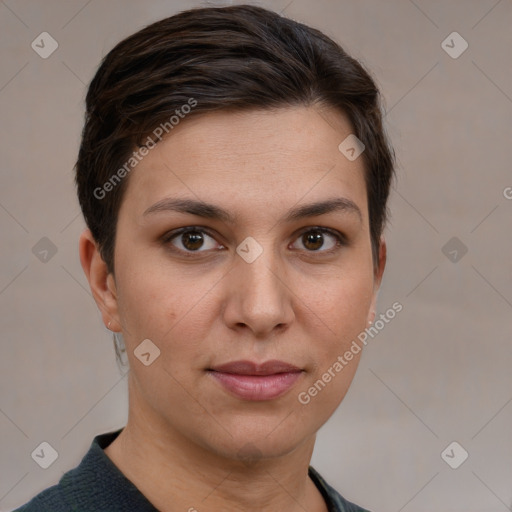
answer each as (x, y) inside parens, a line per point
(377, 279)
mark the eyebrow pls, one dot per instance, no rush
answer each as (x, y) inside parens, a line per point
(211, 211)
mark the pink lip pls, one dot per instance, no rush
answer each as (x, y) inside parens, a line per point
(252, 381)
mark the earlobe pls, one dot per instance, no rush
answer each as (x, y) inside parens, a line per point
(102, 283)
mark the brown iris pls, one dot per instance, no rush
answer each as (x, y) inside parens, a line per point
(192, 240)
(313, 240)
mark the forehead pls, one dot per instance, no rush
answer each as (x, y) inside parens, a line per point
(258, 158)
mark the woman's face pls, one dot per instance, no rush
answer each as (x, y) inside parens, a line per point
(254, 284)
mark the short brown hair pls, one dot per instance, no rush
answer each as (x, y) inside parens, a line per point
(223, 58)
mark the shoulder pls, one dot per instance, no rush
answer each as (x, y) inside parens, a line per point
(335, 501)
(81, 488)
(49, 500)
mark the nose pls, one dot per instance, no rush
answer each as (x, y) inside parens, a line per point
(259, 296)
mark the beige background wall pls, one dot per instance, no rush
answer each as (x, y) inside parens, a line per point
(439, 372)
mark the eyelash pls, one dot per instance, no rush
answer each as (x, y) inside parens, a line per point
(341, 240)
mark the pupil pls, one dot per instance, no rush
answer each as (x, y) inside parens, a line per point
(315, 238)
(193, 240)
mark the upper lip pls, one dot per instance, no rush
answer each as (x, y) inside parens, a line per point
(250, 368)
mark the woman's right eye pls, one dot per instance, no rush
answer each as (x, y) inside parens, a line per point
(190, 240)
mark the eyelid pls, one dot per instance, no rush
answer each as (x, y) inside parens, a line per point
(171, 235)
(341, 239)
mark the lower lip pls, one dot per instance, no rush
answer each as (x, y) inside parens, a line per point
(257, 387)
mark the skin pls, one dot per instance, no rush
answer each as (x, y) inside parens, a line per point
(297, 302)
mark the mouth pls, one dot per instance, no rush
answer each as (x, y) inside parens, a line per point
(257, 382)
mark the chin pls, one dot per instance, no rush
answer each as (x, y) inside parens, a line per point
(254, 444)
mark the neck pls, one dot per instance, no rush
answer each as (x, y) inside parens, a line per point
(174, 473)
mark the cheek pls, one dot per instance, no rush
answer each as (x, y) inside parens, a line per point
(339, 315)
(174, 311)
(157, 301)
(352, 306)
(343, 310)
(340, 302)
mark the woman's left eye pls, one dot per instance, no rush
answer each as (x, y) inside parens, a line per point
(314, 239)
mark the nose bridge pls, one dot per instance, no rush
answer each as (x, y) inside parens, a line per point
(261, 274)
(258, 271)
(260, 296)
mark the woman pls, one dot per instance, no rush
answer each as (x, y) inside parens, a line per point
(233, 174)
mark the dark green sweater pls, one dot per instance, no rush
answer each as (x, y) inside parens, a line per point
(97, 485)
